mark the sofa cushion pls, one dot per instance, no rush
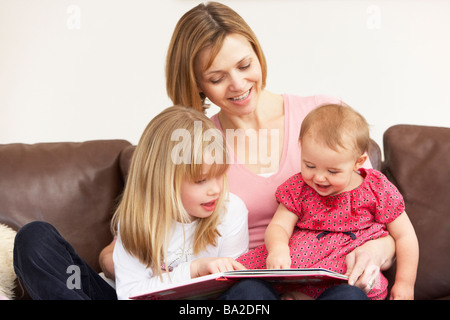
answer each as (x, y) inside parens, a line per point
(73, 186)
(416, 161)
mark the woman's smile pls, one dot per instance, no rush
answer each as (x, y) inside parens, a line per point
(243, 98)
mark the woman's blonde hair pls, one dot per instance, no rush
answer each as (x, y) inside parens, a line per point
(204, 26)
(337, 126)
(151, 201)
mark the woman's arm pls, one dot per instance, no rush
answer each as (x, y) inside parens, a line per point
(365, 262)
(106, 261)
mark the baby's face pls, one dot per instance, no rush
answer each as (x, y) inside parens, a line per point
(327, 171)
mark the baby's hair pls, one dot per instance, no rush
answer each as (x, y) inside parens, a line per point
(337, 126)
(151, 200)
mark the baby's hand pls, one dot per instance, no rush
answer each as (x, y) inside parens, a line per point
(279, 259)
(402, 291)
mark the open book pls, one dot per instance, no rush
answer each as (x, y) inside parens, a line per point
(211, 286)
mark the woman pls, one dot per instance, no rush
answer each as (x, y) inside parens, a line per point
(214, 54)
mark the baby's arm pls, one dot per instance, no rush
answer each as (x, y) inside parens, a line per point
(407, 250)
(277, 238)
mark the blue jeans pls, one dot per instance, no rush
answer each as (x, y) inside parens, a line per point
(41, 261)
(343, 292)
(250, 289)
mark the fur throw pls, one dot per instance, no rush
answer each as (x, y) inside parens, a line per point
(7, 274)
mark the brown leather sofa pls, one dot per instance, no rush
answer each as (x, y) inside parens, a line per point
(75, 187)
(417, 160)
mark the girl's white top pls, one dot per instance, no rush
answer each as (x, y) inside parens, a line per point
(133, 278)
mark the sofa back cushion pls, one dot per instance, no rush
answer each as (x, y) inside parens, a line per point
(73, 186)
(417, 161)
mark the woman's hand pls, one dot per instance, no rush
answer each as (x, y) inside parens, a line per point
(361, 270)
(205, 266)
(365, 262)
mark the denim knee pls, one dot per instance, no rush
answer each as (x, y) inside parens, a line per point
(343, 292)
(31, 236)
(34, 229)
(251, 289)
(35, 241)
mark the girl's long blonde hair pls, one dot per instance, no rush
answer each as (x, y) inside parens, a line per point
(151, 200)
(204, 26)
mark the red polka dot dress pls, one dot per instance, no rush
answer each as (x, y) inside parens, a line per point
(329, 228)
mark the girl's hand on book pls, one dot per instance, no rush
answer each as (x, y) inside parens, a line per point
(205, 266)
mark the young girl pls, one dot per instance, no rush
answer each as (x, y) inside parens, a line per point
(334, 206)
(176, 220)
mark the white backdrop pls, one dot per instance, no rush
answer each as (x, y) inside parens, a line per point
(94, 69)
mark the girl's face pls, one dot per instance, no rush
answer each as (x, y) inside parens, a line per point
(200, 197)
(233, 82)
(327, 171)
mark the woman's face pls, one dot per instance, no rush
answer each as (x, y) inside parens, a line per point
(233, 82)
